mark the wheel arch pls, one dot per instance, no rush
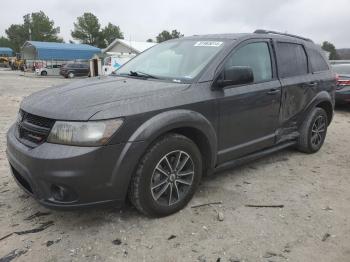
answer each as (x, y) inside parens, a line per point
(322, 100)
(185, 122)
(328, 107)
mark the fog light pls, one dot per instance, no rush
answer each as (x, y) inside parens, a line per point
(62, 194)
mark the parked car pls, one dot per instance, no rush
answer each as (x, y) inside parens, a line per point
(342, 94)
(71, 70)
(51, 70)
(181, 110)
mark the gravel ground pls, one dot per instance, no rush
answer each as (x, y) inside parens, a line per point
(313, 225)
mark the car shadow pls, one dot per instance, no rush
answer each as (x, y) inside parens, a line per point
(345, 108)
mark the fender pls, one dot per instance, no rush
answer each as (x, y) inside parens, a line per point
(149, 131)
(167, 121)
(321, 97)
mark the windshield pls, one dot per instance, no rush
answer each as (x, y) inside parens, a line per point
(343, 69)
(178, 61)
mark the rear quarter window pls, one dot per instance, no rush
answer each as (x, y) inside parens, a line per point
(317, 61)
(291, 59)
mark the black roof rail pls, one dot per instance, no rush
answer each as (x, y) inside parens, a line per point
(263, 31)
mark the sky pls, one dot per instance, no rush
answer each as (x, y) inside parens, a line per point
(139, 20)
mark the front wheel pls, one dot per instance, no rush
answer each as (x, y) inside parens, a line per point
(313, 131)
(167, 176)
(71, 75)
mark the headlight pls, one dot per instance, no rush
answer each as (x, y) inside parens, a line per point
(90, 133)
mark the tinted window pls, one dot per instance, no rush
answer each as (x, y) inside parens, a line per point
(292, 60)
(317, 61)
(257, 57)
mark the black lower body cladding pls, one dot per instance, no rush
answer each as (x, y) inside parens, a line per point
(61, 176)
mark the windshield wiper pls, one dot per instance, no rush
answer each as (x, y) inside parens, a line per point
(142, 74)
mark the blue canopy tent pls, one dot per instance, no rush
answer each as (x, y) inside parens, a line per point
(6, 51)
(34, 50)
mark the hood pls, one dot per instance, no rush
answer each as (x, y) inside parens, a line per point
(80, 100)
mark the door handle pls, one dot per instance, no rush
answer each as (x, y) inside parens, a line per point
(273, 91)
(312, 84)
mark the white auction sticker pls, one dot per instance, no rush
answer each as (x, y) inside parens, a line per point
(208, 43)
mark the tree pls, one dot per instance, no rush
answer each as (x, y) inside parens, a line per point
(5, 42)
(36, 26)
(176, 34)
(109, 34)
(41, 27)
(329, 47)
(166, 35)
(17, 35)
(87, 29)
(150, 40)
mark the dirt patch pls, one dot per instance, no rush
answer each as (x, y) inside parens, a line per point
(279, 208)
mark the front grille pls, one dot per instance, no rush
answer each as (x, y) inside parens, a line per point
(33, 130)
(38, 120)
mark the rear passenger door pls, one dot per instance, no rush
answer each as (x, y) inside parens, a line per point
(295, 77)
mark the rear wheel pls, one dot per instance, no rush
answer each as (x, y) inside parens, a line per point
(313, 131)
(167, 176)
(44, 73)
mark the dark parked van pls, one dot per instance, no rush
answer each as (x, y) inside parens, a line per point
(71, 70)
(183, 109)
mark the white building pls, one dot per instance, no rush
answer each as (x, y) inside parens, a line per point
(120, 51)
(123, 47)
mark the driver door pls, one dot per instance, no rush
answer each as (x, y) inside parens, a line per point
(249, 114)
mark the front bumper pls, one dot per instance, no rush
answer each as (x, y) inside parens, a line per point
(88, 175)
(343, 95)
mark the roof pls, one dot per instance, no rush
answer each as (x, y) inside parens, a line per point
(241, 36)
(61, 51)
(136, 46)
(6, 51)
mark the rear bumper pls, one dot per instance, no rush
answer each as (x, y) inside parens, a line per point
(343, 95)
(87, 176)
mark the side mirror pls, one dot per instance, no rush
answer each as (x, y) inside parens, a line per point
(236, 75)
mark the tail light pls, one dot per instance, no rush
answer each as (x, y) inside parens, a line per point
(342, 82)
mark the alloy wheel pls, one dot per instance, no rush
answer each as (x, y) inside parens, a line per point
(318, 130)
(172, 178)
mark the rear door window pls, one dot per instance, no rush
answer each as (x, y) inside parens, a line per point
(257, 57)
(291, 59)
(318, 63)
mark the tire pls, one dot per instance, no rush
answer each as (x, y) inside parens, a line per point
(152, 178)
(43, 73)
(313, 131)
(71, 75)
